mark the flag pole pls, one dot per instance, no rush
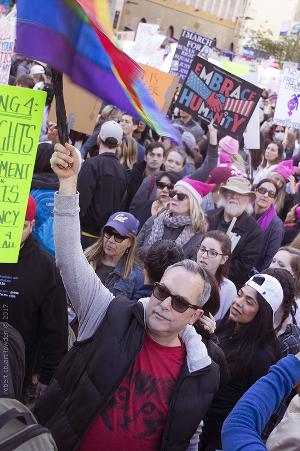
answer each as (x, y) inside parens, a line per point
(61, 116)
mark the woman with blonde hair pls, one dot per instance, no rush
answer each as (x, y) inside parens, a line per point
(183, 222)
(114, 255)
(128, 152)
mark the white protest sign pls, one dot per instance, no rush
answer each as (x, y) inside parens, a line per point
(165, 66)
(287, 111)
(7, 43)
(146, 49)
(252, 132)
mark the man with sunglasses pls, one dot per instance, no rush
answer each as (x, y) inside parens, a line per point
(139, 376)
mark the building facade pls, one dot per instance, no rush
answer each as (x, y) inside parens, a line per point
(219, 19)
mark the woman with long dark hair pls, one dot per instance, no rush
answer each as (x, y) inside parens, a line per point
(286, 329)
(165, 182)
(247, 338)
(214, 255)
(272, 156)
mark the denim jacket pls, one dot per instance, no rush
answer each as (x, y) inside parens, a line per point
(130, 286)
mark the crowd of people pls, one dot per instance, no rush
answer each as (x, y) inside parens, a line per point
(157, 292)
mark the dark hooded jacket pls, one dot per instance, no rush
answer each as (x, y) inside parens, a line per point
(32, 293)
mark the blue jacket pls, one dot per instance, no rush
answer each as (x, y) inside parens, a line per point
(129, 286)
(132, 284)
(43, 188)
(243, 426)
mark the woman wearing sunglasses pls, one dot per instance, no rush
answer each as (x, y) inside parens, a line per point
(114, 255)
(183, 222)
(266, 192)
(214, 255)
(247, 338)
(164, 184)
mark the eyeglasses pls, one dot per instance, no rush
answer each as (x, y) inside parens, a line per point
(162, 185)
(179, 303)
(180, 196)
(211, 253)
(109, 232)
(262, 190)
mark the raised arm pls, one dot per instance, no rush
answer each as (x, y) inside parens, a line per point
(242, 428)
(211, 159)
(87, 294)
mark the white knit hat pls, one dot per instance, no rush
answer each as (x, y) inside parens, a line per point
(269, 288)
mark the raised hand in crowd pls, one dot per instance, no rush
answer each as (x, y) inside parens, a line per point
(66, 162)
(213, 134)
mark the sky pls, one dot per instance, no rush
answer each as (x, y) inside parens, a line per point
(272, 13)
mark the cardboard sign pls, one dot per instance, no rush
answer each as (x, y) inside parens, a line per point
(82, 107)
(189, 45)
(21, 113)
(287, 111)
(7, 43)
(210, 93)
(161, 85)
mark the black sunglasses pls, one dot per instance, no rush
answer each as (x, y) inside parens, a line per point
(109, 232)
(179, 303)
(180, 196)
(162, 185)
(262, 190)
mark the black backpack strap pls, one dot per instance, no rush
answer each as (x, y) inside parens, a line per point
(12, 414)
(23, 437)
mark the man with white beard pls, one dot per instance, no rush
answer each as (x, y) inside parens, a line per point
(234, 217)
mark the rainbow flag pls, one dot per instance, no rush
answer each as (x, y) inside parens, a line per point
(75, 37)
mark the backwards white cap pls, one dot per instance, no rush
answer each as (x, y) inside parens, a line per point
(269, 288)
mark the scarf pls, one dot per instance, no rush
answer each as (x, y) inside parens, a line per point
(174, 222)
(266, 218)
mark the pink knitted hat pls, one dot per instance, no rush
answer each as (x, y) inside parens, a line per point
(285, 168)
(196, 188)
(229, 145)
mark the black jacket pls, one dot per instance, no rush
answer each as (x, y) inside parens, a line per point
(135, 179)
(34, 293)
(247, 251)
(102, 189)
(231, 391)
(92, 370)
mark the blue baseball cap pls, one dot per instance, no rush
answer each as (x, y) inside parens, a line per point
(123, 223)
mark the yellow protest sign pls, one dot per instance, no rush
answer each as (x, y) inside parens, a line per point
(21, 112)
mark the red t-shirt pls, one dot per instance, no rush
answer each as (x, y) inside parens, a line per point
(136, 416)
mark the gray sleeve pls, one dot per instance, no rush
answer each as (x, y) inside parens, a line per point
(208, 165)
(86, 292)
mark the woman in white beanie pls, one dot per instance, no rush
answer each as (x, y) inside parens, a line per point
(247, 338)
(183, 222)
